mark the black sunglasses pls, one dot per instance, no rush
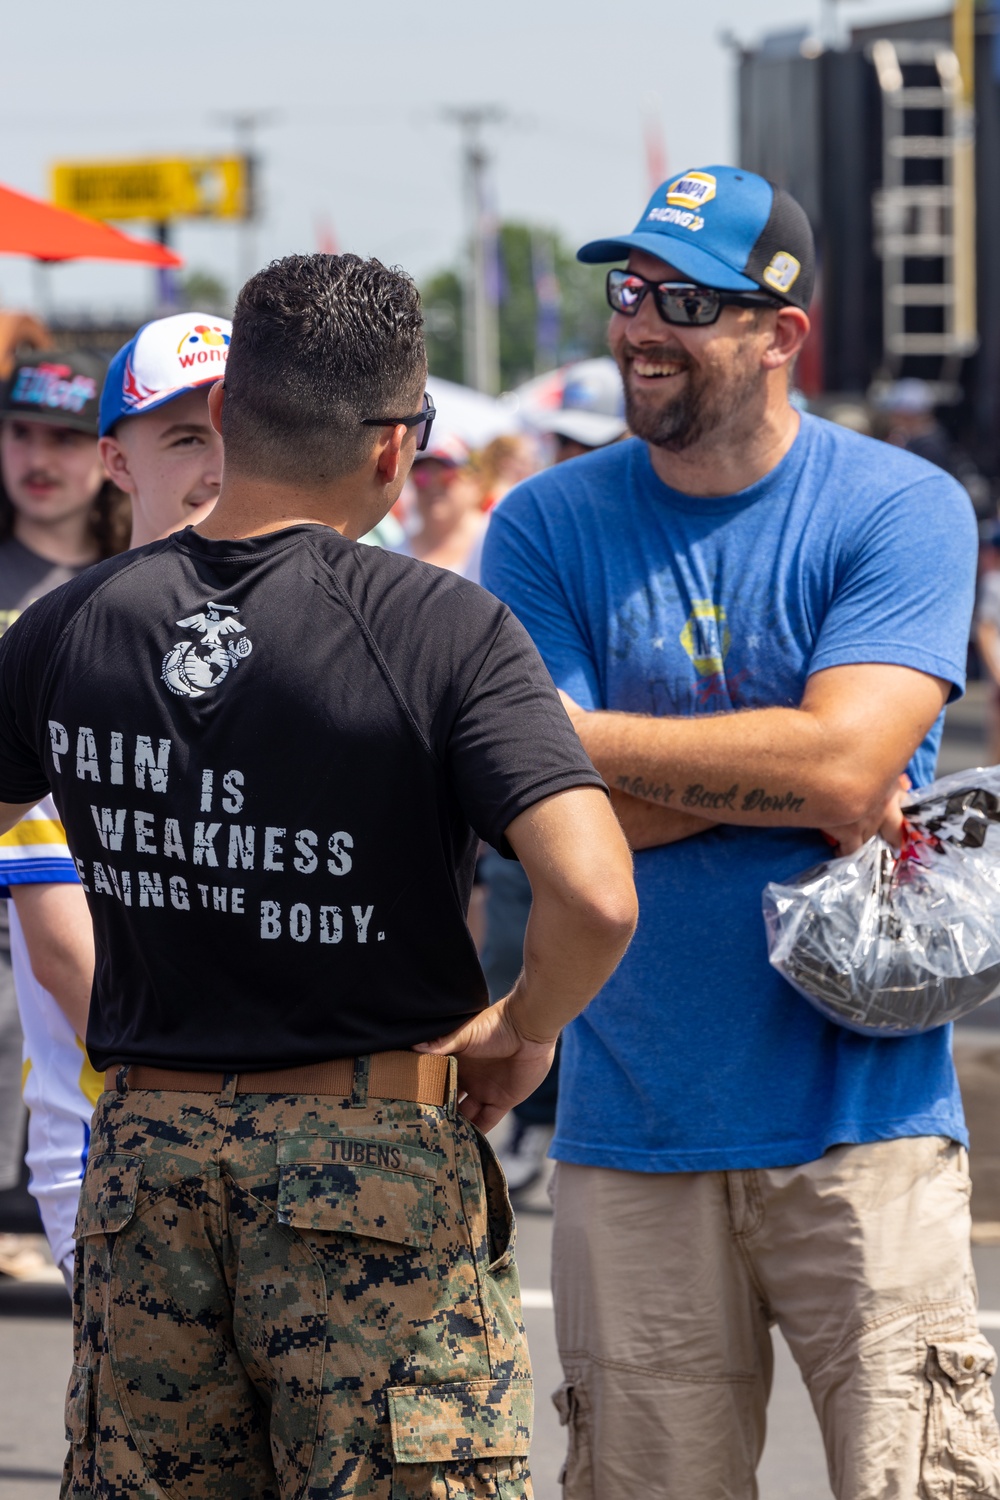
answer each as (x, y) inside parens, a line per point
(681, 302)
(423, 422)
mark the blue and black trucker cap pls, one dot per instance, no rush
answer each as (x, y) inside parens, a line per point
(726, 228)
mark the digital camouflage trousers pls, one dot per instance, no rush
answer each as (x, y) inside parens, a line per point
(294, 1296)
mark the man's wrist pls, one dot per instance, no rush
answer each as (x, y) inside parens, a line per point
(518, 1013)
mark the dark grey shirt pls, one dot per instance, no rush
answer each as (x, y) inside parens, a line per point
(24, 577)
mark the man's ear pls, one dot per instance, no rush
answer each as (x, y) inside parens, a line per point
(389, 455)
(216, 401)
(791, 329)
(115, 461)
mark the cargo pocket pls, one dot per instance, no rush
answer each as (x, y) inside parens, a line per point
(499, 1286)
(79, 1408)
(107, 1204)
(576, 1475)
(500, 1225)
(962, 1444)
(465, 1441)
(344, 1184)
(107, 1199)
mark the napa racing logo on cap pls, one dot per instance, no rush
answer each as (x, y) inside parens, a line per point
(693, 190)
(54, 387)
(685, 197)
(203, 344)
(781, 271)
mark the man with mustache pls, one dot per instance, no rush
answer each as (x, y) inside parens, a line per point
(755, 619)
(59, 512)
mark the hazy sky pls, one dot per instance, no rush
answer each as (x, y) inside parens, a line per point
(357, 91)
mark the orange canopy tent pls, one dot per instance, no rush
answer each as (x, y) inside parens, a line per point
(30, 227)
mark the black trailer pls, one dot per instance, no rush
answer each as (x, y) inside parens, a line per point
(870, 140)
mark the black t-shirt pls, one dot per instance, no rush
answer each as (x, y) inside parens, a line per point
(273, 759)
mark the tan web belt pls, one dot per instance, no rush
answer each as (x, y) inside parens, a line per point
(412, 1076)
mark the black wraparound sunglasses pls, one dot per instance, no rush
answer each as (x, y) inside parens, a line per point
(423, 422)
(679, 302)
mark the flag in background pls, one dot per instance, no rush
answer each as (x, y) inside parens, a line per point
(548, 303)
(326, 238)
(654, 142)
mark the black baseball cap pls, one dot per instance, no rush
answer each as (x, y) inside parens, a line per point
(725, 228)
(59, 387)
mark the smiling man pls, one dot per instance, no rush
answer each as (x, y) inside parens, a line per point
(157, 442)
(756, 619)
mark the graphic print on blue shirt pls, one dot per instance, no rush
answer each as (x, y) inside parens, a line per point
(697, 1055)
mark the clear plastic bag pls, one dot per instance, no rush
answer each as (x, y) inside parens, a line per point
(893, 943)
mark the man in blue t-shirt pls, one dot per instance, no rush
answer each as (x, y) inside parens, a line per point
(755, 619)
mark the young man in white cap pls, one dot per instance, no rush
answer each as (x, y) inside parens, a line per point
(170, 461)
(160, 448)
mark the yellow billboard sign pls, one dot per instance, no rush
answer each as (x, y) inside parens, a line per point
(159, 188)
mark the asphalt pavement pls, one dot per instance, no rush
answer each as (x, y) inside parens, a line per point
(35, 1332)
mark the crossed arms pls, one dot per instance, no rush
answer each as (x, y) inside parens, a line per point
(834, 762)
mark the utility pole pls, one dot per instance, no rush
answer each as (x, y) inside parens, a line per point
(245, 124)
(481, 353)
(964, 173)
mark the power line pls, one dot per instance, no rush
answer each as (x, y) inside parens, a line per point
(245, 124)
(481, 352)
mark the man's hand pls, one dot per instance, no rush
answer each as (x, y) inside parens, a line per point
(890, 823)
(497, 1065)
(583, 914)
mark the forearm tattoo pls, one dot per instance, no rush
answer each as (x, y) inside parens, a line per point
(711, 799)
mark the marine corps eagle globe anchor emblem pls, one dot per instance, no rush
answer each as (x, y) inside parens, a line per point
(192, 668)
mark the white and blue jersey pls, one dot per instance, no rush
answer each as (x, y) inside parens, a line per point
(60, 1086)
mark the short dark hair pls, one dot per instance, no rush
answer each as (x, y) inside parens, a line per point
(319, 343)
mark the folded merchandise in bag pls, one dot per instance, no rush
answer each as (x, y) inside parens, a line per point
(894, 942)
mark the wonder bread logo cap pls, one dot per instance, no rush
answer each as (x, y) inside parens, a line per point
(165, 359)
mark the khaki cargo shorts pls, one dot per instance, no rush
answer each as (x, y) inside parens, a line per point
(294, 1296)
(666, 1288)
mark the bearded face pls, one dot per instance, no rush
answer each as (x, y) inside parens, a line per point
(682, 385)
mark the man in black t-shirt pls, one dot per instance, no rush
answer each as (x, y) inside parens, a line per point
(274, 751)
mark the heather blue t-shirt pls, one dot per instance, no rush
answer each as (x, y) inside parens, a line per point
(696, 1055)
